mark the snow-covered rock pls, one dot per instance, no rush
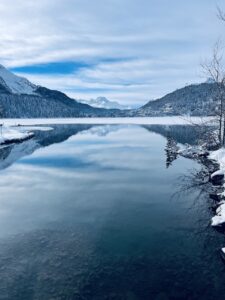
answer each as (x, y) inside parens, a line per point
(218, 173)
(219, 219)
(16, 84)
(219, 157)
(193, 151)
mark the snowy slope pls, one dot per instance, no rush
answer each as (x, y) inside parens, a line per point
(16, 84)
(102, 102)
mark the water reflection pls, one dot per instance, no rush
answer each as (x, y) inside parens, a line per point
(88, 215)
(60, 133)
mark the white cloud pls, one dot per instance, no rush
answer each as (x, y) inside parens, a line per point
(162, 42)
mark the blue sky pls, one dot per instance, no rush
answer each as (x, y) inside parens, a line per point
(130, 51)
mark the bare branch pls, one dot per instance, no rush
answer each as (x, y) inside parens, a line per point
(220, 14)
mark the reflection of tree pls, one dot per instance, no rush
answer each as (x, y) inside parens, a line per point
(171, 151)
(183, 134)
(197, 184)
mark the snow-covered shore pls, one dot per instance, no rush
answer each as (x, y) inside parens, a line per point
(103, 121)
(219, 157)
(13, 135)
(217, 178)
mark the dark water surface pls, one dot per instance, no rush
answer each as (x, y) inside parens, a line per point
(92, 212)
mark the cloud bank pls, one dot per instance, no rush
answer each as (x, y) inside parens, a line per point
(128, 50)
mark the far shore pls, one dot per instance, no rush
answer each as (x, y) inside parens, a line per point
(176, 120)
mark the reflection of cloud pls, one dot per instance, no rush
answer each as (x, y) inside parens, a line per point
(79, 174)
(59, 162)
(103, 130)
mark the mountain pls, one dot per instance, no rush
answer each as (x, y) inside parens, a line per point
(20, 98)
(15, 84)
(193, 100)
(102, 102)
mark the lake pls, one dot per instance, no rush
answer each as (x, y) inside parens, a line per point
(101, 212)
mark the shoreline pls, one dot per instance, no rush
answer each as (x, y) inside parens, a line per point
(213, 162)
(173, 120)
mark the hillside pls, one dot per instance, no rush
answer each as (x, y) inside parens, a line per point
(20, 98)
(193, 100)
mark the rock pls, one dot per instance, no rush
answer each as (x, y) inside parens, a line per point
(217, 177)
(204, 154)
(215, 197)
(222, 253)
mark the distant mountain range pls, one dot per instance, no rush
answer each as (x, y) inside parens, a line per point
(20, 98)
(102, 102)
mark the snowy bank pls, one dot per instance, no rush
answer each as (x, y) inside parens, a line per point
(119, 121)
(219, 219)
(32, 128)
(11, 135)
(217, 171)
(219, 157)
(193, 151)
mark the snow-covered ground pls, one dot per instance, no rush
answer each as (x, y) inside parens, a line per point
(93, 121)
(32, 128)
(9, 134)
(219, 157)
(12, 134)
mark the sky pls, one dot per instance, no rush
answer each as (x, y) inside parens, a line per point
(130, 51)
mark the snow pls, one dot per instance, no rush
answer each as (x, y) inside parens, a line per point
(105, 121)
(16, 84)
(219, 219)
(192, 151)
(102, 102)
(32, 128)
(219, 157)
(8, 135)
(219, 172)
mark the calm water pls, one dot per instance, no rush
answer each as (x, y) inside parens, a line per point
(92, 212)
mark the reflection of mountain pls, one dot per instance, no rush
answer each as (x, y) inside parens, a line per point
(10, 154)
(181, 133)
(60, 133)
(103, 130)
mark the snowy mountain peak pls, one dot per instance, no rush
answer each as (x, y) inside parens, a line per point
(102, 102)
(14, 83)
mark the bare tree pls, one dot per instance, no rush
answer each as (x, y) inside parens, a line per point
(215, 69)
